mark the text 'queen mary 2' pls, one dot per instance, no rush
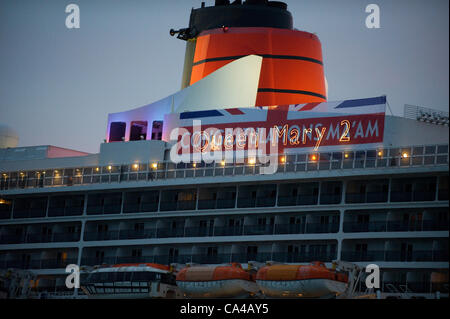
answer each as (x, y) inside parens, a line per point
(246, 183)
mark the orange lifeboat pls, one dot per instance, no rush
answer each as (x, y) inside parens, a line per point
(310, 281)
(226, 281)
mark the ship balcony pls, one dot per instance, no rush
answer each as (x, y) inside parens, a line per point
(122, 234)
(107, 203)
(396, 256)
(13, 239)
(216, 258)
(369, 197)
(93, 261)
(160, 259)
(104, 235)
(178, 205)
(394, 226)
(38, 263)
(66, 206)
(29, 213)
(140, 208)
(229, 230)
(417, 189)
(52, 238)
(66, 211)
(303, 257)
(140, 202)
(216, 204)
(198, 232)
(5, 211)
(213, 259)
(318, 228)
(417, 156)
(257, 195)
(103, 209)
(137, 234)
(39, 233)
(170, 232)
(412, 196)
(178, 199)
(186, 232)
(246, 257)
(256, 202)
(298, 200)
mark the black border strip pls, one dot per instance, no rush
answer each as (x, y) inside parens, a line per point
(267, 56)
(292, 92)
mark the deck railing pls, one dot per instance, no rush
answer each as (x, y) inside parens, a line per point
(429, 155)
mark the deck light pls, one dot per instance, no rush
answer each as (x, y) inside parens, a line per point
(314, 157)
(405, 155)
(109, 167)
(380, 153)
(194, 165)
(283, 159)
(97, 169)
(346, 155)
(135, 166)
(251, 161)
(154, 165)
(222, 163)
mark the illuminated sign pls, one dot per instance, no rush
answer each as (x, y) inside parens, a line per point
(287, 127)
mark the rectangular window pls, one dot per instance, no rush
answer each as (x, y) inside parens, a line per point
(136, 252)
(331, 193)
(138, 130)
(212, 251)
(117, 131)
(157, 129)
(443, 188)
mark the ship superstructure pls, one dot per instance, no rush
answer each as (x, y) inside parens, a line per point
(350, 182)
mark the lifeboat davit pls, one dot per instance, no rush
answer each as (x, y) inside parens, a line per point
(228, 281)
(305, 281)
(124, 281)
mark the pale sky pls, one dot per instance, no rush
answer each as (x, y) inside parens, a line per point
(57, 85)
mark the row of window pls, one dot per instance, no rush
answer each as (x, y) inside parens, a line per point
(243, 196)
(138, 131)
(394, 157)
(394, 220)
(292, 254)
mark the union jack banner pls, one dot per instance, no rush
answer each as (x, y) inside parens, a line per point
(304, 126)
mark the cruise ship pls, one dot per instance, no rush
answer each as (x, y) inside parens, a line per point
(170, 188)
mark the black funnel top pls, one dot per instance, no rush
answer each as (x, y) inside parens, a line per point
(251, 13)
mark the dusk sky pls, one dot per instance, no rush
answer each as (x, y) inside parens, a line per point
(57, 85)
